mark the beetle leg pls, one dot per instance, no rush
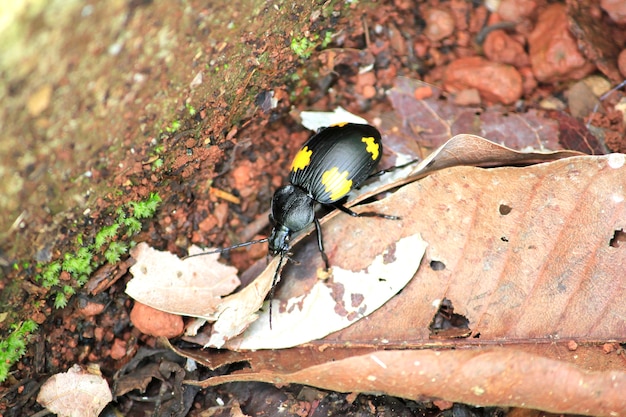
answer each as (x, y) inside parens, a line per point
(320, 244)
(365, 213)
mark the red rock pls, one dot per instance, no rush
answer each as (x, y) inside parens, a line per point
(500, 47)
(439, 24)
(98, 333)
(608, 347)
(423, 92)
(469, 97)
(516, 10)
(495, 82)
(554, 54)
(118, 350)
(616, 9)
(369, 91)
(621, 63)
(155, 322)
(529, 82)
(89, 309)
(367, 78)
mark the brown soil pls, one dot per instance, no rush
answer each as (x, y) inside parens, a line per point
(104, 104)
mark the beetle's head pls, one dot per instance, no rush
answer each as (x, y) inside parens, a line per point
(292, 210)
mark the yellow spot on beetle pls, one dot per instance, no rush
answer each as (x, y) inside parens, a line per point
(302, 159)
(336, 183)
(372, 147)
(340, 124)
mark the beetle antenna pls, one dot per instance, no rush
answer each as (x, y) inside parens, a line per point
(239, 245)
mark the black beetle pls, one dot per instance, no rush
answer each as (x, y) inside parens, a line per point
(327, 167)
(330, 164)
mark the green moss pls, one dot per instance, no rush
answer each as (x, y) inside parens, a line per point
(302, 47)
(81, 263)
(191, 109)
(14, 346)
(106, 234)
(115, 251)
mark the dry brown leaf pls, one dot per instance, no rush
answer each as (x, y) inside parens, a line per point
(75, 393)
(527, 252)
(492, 377)
(192, 286)
(433, 120)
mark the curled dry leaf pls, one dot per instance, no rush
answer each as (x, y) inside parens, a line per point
(192, 286)
(461, 150)
(491, 377)
(75, 393)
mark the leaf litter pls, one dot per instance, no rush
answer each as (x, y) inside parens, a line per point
(526, 256)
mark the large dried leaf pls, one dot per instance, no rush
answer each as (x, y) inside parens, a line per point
(236, 312)
(527, 252)
(491, 377)
(531, 256)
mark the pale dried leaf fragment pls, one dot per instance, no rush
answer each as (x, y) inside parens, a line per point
(191, 287)
(237, 311)
(329, 307)
(75, 393)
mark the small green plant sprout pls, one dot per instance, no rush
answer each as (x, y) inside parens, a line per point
(133, 225)
(106, 234)
(302, 47)
(14, 346)
(147, 208)
(60, 300)
(115, 251)
(173, 127)
(191, 109)
(78, 264)
(49, 276)
(328, 38)
(158, 163)
(61, 297)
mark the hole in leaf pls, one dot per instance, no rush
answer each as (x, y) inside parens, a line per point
(437, 265)
(504, 209)
(446, 324)
(618, 239)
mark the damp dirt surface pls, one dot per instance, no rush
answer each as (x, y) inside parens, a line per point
(105, 104)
